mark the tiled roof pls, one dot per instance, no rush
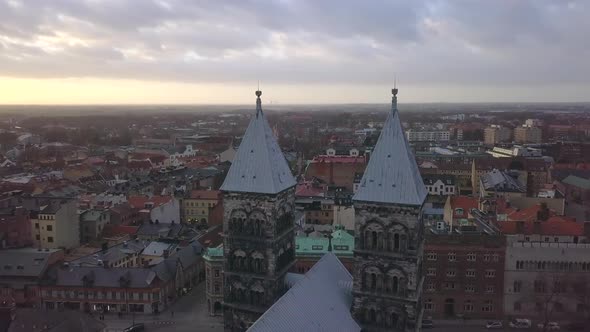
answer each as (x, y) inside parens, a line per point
(554, 226)
(463, 202)
(320, 301)
(576, 181)
(27, 262)
(138, 202)
(259, 165)
(205, 194)
(392, 175)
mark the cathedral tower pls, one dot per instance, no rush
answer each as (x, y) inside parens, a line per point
(258, 227)
(389, 235)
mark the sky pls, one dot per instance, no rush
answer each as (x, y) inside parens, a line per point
(301, 51)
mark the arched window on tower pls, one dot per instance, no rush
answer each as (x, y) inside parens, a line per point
(396, 245)
(373, 281)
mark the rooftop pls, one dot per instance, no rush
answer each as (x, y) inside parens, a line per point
(319, 301)
(392, 174)
(259, 165)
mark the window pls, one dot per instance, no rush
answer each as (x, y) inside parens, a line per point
(469, 288)
(431, 256)
(468, 306)
(36, 225)
(216, 288)
(486, 258)
(527, 239)
(546, 239)
(428, 305)
(517, 306)
(519, 265)
(430, 287)
(431, 271)
(489, 288)
(471, 257)
(451, 273)
(49, 228)
(488, 306)
(558, 307)
(449, 285)
(470, 273)
(37, 237)
(517, 286)
(452, 257)
(496, 258)
(490, 273)
(216, 272)
(539, 286)
(50, 239)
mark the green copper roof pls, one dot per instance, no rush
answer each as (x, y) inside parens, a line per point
(213, 253)
(342, 244)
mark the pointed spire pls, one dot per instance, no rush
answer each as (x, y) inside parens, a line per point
(392, 175)
(258, 100)
(394, 92)
(259, 165)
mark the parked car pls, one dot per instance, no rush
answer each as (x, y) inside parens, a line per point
(520, 323)
(495, 324)
(139, 327)
(427, 324)
(551, 326)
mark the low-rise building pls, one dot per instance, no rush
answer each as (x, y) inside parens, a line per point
(463, 275)
(100, 289)
(440, 185)
(21, 271)
(92, 222)
(15, 228)
(56, 225)
(164, 209)
(199, 205)
(505, 184)
(547, 269)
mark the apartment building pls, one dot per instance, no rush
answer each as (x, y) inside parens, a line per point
(56, 225)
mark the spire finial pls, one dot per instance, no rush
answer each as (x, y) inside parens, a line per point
(258, 101)
(394, 92)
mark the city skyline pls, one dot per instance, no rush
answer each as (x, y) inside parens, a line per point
(181, 52)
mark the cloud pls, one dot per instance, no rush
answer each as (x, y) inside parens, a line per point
(298, 41)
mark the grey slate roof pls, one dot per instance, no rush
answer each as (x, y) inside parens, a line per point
(392, 174)
(318, 301)
(26, 262)
(102, 277)
(259, 165)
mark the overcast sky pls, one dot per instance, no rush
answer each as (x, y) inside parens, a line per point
(302, 51)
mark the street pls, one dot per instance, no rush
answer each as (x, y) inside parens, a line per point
(190, 314)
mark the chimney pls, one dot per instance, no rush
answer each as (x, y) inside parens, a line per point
(520, 227)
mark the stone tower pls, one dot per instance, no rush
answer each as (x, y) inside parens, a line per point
(258, 227)
(389, 235)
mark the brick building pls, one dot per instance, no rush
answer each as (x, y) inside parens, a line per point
(464, 276)
(15, 228)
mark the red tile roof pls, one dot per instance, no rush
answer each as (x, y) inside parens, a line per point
(110, 230)
(206, 194)
(138, 202)
(528, 214)
(556, 225)
(463, 202)
(309, 189)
